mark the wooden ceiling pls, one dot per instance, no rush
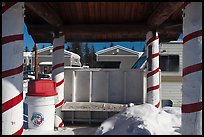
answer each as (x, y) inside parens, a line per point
(103, 21)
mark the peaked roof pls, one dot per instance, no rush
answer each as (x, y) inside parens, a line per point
(117, 47)
(69, 53)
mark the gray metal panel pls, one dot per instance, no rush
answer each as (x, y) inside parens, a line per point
(68, 80)
(134, 88)
(82, 86)
(116, 87)
(100, 86)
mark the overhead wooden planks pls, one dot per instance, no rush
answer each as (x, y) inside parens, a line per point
(104, 21)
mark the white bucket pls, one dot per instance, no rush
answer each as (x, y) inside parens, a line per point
(41, 112)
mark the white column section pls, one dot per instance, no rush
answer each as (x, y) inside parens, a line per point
(12, 67)
(153, 83)
(58, 71)
(58, 68)
(58, 122)
(192, 70)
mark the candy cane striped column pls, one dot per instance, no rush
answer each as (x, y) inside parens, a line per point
(192, 69)
(58, 72)
(12, 67)
(153, 83)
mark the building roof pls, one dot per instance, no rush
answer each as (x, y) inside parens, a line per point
(69, 53)
(118, 47)
(103, 21)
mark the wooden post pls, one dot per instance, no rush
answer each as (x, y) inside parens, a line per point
(36, 61)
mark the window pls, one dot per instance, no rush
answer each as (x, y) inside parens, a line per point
(169, 63)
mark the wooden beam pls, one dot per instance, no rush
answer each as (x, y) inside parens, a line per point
(90, 28)
(170, 28)
(81, 38)
(123, 29)
(44, 11)
(101, 32)
(92, 32)
(162, 13)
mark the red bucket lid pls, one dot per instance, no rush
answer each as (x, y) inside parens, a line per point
(42, 88)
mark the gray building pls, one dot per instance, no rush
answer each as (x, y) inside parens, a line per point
(125, 56)
(45, 59)
(171, 65)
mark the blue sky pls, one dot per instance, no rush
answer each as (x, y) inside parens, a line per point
(28, 41)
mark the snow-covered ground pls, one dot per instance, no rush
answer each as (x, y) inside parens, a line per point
(63, 131)
(142, 119)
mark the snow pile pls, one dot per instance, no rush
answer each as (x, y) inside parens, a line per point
(63, 131)
(143, 119)
(60, 131)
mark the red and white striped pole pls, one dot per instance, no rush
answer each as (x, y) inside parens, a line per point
(12, 67)
(153, 82)
(58, 74)
(192, 69)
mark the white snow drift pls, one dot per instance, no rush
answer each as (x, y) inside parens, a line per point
(143, 119)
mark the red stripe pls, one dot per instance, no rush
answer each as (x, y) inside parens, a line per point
(190, 108)
(12, 102)
(153, 72)
(7, 6)
(59, 104)
(157, 105)
(191, 69)
(192, 35)
(19, 132)
(57, 48)
(185, 4)
(11, 72)
(59, 83)
(152, 39)
(61, 124)
(152, 88)
(153, 56)
(57, 66)
(12, 38)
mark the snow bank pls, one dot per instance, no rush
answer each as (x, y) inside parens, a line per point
(60, 131)
(63, 131)
(143, 119)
